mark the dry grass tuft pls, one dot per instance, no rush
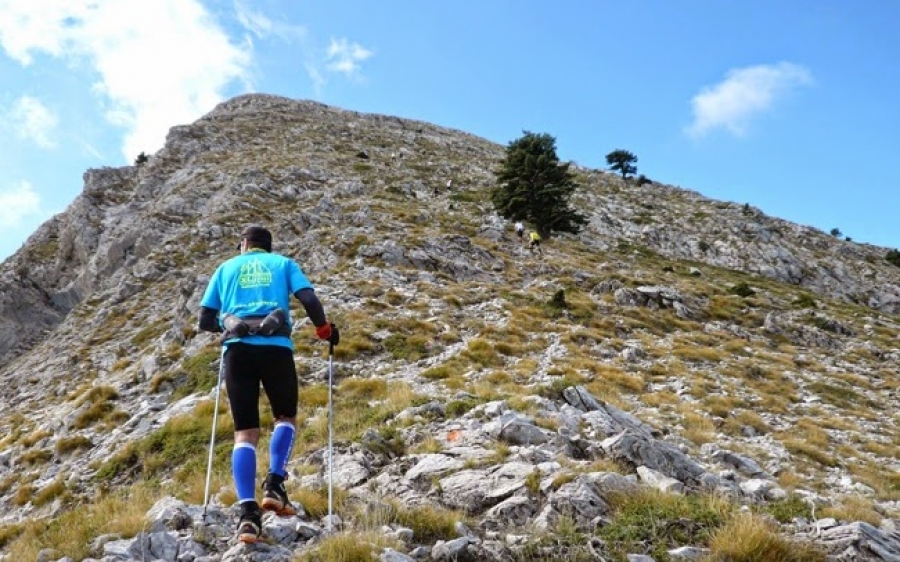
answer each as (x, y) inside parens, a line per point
(70, 533)
(854, 508)
(751, 538)
(349, 547)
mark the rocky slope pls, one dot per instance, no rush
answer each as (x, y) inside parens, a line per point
(678, 346)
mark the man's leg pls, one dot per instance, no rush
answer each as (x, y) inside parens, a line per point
(281, 446)
(280, 384)
(243, 396)
(243, 464)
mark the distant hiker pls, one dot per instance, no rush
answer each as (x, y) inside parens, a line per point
(248, 298)
(449, 184)
(535, 242)
(520, 229)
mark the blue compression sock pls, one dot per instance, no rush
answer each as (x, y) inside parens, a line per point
(280, 447)
(243, 468)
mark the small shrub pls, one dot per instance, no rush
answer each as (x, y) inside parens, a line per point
(742, 289)
(558, 301)
(703, 245)
(805, 301)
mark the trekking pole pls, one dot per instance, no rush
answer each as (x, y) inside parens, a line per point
(330, 434)
(212, 438)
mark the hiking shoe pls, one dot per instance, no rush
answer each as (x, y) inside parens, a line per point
(250, 523)
(275, 496)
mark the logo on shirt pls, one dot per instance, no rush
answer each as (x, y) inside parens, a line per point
(254, 274)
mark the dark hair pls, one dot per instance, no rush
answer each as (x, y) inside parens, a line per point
(257, 237)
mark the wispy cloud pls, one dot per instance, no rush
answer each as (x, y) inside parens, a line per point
(34, 121)
(345, 57)
(340, 57)
(18, 203)
(744, 94)
(162, 67)
(262, 26)
(312, 70)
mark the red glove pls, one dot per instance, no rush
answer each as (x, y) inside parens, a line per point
(323, 332)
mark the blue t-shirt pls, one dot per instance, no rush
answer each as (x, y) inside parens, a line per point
(254, 284)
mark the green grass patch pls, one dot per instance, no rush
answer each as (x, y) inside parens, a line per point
(661, 521)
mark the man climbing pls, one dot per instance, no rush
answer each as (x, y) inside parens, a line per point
(248, 298)
(535, 242)
(520, 229)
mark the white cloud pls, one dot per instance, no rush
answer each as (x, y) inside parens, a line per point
(742, 95)
(18, 203)
(34, 121)
(164, 65)
(345, 57)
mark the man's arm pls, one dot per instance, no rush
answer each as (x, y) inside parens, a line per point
(209, 320)
(312, 305)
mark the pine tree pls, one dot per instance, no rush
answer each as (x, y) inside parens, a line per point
(622, 161)
(533, 186)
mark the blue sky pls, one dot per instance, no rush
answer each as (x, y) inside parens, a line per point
(791, 106)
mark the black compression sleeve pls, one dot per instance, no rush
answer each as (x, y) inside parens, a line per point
(312, 305)
(209, 320)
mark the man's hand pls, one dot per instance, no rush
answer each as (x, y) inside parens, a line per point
(329, 333)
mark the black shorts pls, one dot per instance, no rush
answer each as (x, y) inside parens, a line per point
(246, 366)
